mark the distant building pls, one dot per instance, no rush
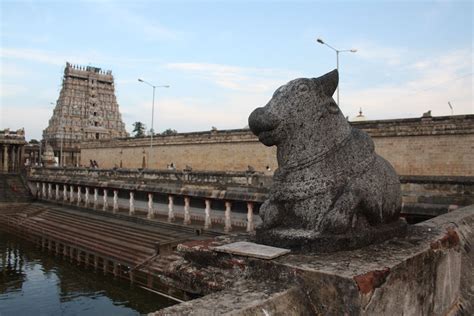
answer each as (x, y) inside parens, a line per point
(86, 109)
(11, 150)
(359, 117)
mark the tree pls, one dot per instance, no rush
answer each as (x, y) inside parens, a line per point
(138, 129)
(169, 131)
(34, 141)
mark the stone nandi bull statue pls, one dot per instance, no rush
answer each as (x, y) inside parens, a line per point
(331, 191)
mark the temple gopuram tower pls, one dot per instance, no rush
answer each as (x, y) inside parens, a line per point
(86, 109)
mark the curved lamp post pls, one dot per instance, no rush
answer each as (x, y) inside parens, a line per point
(152, 113)
(320, 41)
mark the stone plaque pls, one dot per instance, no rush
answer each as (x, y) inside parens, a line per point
(250, 249)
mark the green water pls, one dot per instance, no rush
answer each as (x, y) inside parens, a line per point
(33, 282)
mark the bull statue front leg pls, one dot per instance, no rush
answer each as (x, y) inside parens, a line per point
(270, 214)
(343, 215)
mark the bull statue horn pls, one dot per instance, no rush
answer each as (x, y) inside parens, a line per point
(329, 82)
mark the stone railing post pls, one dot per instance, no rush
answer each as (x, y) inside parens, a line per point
(171, 217)
(132, 204)
(151, 213)
(86, 197)
(187, 214)
(116, 201)
(207, 219)
(228, 217)
(79, 195)
(64, 193)
(50, 191)
(43, 191)
(71, 194)
(96, 198)
(250, 223)
(56, 193)
(105, 205)
(38, 192)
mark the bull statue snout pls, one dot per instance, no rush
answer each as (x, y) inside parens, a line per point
(261, 120)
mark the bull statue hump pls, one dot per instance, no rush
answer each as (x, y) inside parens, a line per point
(331, 191)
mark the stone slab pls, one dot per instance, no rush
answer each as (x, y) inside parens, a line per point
(250, 249)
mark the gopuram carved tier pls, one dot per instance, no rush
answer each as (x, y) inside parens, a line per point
(86, 109)
(331, 191)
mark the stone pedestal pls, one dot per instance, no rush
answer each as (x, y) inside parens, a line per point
(430, 271)
(309, 241)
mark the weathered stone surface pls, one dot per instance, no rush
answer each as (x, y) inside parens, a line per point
(329, 181)
(250, 249)
(430, 271)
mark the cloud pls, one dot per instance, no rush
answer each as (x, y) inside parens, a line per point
(246, 79)
(436, 81)
(124, 17)
(15, 118)
(391, 56)
(59, 58)
(192, 114)
(41, 56)
(10, 90)
(13, 71)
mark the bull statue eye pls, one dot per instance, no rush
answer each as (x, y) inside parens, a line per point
(303, 88)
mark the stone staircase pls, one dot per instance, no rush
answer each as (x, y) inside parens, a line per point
(13, 189)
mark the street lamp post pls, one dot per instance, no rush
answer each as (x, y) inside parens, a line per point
(152, 113)
(320, 41)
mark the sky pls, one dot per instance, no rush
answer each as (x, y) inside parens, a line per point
(222, 59)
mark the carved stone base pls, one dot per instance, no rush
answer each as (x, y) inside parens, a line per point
(310, 241)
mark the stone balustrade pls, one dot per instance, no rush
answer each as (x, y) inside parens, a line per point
(78, 195)
(234, 178)
(422, 195)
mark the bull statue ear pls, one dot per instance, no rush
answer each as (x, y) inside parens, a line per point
(329, 82)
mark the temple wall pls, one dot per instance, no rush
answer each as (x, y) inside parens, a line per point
(437, 146)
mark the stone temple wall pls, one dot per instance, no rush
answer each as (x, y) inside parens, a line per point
(433, 146)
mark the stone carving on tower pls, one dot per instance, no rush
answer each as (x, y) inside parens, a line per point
(86, 109)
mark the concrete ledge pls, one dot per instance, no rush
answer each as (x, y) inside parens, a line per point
(428, 272)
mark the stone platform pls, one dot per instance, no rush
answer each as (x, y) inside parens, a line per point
(308, 241)
(430, 271)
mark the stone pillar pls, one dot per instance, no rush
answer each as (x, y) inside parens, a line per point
(96, 262)
(132, 204)
(5, 158)
(207, 219)
(86, 197)
(250, 223)
(50, 191)
(228, 217)
(71, 194)
(64, 193)
(56, 197)
(38, 191)
(18, 157)
(105, 206)
(187, 214)
(79, 196)
(151, 213)
(13, 160)
(43, 191)
(96, 198)
(171, 208)
(116, 201)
